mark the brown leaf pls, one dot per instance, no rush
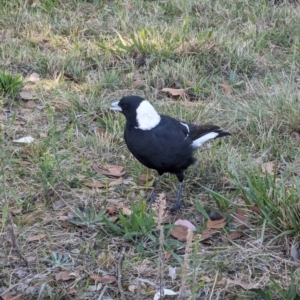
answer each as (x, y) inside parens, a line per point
(66, 224)
(234, 235)
(145, 180)
(19, 122)
(104, 279)
(111, 170)
(268, 167)
(168, 255)
(93, 184)
(207, 233)
(142, 179)
(30, 104)
(227, 88)
(25, 163)
(15, 210)
(216, 224)
(126, 211)
(12, 297)
(35, 238)
(180, 232)
(116, 182)
(111, 210)
(64, 275)
(43, 135)
(239, 218)
(72, 291)
(33, 77)
(256, 209)
(174, 92)
(138, 83)
(27, 94)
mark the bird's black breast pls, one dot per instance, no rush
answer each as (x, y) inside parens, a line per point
(165, 148)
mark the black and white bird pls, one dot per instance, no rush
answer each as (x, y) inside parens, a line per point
(160, 142)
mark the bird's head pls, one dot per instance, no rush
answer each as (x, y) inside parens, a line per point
(138, 112)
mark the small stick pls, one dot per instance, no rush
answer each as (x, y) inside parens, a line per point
(13, 238)
(119, 270)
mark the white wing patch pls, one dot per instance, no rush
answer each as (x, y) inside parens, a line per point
(198, 142)
(146, 116)
(188, 128)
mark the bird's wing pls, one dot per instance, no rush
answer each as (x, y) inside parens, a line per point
(196, 131)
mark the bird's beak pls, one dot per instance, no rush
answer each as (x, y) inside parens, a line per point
(115, 106)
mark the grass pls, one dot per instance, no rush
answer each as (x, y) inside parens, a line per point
(90, 53)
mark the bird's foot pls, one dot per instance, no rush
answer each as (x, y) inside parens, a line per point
(152, 198)
(177, 207)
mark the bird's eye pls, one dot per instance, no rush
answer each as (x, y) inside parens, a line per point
(123, 105)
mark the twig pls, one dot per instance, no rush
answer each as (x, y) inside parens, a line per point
(161, 210)
(102, 292)
(120, 274)
(15, 244)
(185, 267)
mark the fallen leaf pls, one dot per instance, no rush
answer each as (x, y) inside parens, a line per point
(168, 255)
(33, 77)
(35, 238)
(25, 163)
(43, 135)
(15, 210)
(180, 232)
(64, 275)
(208, 233)
(234, 235)
(12, 297)
(58, 204)
(131, 288)
(138, 83)
(126, 211)
(24, 140)
(116, 182)
(239, 218)
(268, 167)
(172, 272)
(104, 279)
(113, 219)
(174, 92)
(111, 170)
(167, 292)
(30, 104)
(185, 223)
(227, 88)
(216, 224)
(142, 179)
(72, 291)
(111, 210)
(27, 95)
(66, 224)
(256, 209)
(19, 122)
(32, 3)
(93, 184)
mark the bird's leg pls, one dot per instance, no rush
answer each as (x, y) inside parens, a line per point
(178, 203)
(152, 197)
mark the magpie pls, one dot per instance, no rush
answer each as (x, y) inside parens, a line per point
(160, 142)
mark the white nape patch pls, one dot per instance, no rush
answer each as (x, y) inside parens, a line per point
(146, 116)
(188, 128)
(197, 143)
(115, 106)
